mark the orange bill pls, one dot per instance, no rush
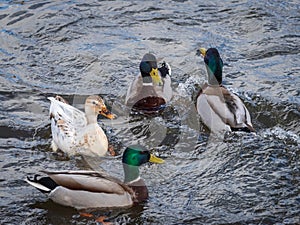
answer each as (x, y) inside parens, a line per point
(106, 113)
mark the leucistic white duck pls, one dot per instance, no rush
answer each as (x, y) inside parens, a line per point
(151, 90)
(75, 132)
(218, 108)
(92, 189)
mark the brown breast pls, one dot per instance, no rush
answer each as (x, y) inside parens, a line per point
(140, 190)
(150, 104)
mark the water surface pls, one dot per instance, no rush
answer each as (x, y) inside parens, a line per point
(76, 49)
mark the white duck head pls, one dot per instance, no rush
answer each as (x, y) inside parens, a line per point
(94, 105)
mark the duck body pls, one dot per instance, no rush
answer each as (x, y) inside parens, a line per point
(75, 132)
(84, 189)
(93, 189)
(151, 90)
(219, 109)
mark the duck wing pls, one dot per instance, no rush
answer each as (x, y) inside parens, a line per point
(241, 115)
(228, 107)
(84, 189)
(91, 181)
(66, 121)
(134, 90)
(242, 118)
(212, 109)
(62, 111)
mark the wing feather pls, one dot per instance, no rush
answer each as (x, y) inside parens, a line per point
(66, 122)
(216, 105)
(209, 115)
(134, 90)
(89, 181)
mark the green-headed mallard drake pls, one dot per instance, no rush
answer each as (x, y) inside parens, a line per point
(151, 90)
(218, 108)
(76, 132)
(91, 189)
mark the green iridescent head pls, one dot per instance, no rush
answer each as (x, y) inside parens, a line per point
(214, 65)
(137, 155)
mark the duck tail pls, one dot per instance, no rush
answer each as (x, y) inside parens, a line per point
(165, 69)
(43, 184)
(251, 129)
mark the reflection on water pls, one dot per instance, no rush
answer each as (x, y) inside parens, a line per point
(76, 49)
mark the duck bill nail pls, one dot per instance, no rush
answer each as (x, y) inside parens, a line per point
(202, 51)
(155, 159)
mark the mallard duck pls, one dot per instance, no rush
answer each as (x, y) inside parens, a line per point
(151, 90)
(92, 189)
(76, 132)
(218, 108)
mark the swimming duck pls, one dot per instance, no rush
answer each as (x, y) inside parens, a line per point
(93, 189)
(76, 132)
(151, 90)
(218, 108)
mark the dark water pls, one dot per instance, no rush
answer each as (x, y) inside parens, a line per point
(78, 48)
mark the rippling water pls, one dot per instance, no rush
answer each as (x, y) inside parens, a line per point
(76, 49)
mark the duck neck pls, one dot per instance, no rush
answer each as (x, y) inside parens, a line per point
(91, 116)
(131, 173)
(214, 76)
(147, 80)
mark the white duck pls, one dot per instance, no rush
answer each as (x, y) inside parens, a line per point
(75, 132)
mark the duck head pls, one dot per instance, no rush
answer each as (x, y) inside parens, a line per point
(214, 65)
(133, 157)
(149, 70)
(94, 105)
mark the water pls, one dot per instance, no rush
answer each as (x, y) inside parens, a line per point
(76, 49)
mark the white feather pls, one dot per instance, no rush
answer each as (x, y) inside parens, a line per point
(37, 185)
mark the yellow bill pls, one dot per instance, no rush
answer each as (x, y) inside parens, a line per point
(106, 113)
(155, 77)
(155, 159)
(202, 51)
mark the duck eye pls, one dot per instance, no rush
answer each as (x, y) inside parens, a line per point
(94, 103)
